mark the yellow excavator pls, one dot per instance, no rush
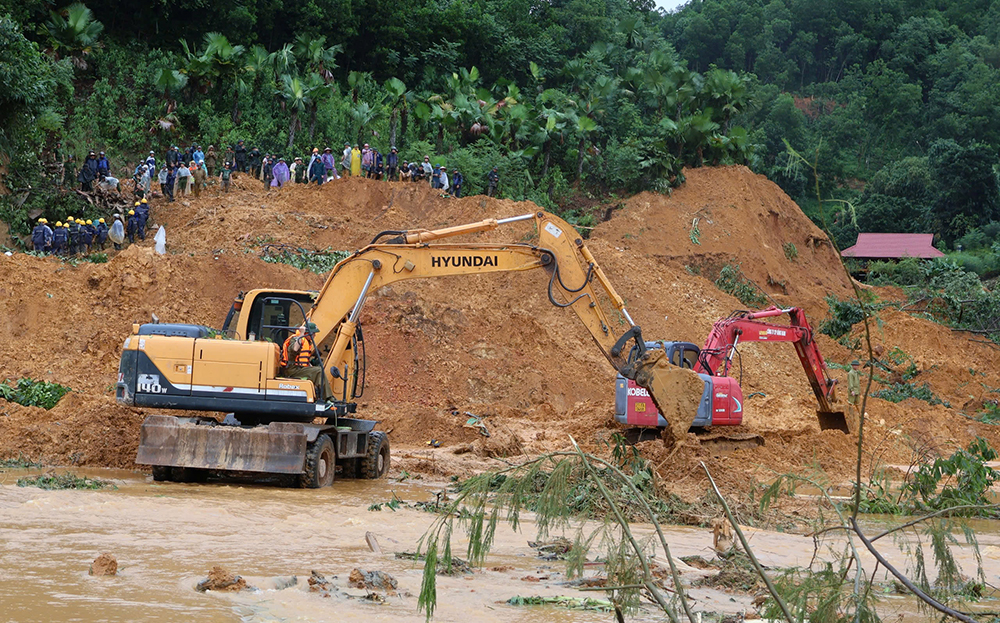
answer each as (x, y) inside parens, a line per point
(276, 425)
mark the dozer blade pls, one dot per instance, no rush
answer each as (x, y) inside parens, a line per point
(278, 448)
(676, 391)
(833, 420)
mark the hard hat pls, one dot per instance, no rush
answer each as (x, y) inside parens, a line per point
(100, 220)
(131, 212)
(79, 221)
(41, 220)
(855, 363)
(58, 223)
(311, 327)
(137, 204)
(90, 222)
(144, 200)
(69, 219)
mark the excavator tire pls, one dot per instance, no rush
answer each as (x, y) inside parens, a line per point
(161, 473)
(321, 464)
(376, 461)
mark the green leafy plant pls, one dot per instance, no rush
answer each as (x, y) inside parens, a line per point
(21, 462)
(31, 393)
(791, 252)
(732, 281)
(320, 262)
(66, 480)
(695, 233)
(898, 392)
(963, 479)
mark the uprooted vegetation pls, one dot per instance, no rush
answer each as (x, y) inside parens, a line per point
(31, 393)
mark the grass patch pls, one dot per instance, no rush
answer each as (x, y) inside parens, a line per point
(31, 393)
(731, 281)
(573, 603)
(52, 481)
(21, 462)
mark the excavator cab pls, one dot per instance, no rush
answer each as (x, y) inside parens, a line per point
(270, 316)
(721, 401)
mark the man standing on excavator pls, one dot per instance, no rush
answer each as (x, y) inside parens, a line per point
(297, 355)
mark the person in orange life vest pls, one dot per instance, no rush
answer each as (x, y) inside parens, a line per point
(297, 358)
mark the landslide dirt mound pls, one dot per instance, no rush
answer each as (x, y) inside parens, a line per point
(494, 345)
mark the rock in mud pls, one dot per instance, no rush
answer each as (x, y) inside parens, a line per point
(106, 564)
(220, 579)
(373, 581)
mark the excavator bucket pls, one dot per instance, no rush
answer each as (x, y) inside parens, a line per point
(833, 420)
(676, 391)
(278, 448)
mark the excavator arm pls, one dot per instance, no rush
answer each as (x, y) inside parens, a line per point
(575, 281)
(716, 357)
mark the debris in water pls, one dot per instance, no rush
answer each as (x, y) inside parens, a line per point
(319, 584)
(222, 580)
(105, 564)
(576, 603)
(372, 542)
(722, 535)
(373, 581)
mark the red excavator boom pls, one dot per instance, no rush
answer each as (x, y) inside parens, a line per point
(716, 358)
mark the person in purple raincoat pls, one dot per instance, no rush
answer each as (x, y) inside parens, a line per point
(280, 174)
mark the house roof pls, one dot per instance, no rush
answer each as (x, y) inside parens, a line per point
(893, 246)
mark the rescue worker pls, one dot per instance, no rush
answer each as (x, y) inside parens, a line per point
(103, 166)
(41, 236)
(86, 235)
(456, 183)
(298, 356)
(317, 171)
(142, 216)
(494, 179)
(74, 235)
(254, 161)
(854, 387)
(298, 169)
(101, 230)
(132, 225)
(59, 239)
(225, 175)
(241, 157)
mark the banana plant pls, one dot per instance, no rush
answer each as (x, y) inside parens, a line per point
(397, 97)
(317, 56)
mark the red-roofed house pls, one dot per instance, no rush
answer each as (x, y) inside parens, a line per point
(893, 247)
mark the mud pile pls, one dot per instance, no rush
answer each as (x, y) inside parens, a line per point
(493, 345)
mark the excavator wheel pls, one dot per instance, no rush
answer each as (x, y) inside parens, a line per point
(321, 464)
(376, 461)
(161, 473)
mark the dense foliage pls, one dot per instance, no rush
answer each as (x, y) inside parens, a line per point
(32, 393)
(583, 95)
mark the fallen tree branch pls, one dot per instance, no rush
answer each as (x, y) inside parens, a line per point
(905, 581)
(746, 547)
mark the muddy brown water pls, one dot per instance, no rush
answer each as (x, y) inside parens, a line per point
(166, 536)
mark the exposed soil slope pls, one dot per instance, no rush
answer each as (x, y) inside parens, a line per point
(493, 346)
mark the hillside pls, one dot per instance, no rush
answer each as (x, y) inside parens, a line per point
(493, 346)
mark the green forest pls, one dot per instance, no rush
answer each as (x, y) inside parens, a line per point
(896, 102)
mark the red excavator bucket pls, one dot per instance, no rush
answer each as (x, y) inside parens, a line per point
(832, 420)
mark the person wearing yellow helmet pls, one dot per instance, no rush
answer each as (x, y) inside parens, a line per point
(142, 215)
(41, 237)
(101, 236)
(59, 238)
(131, 226)
(74, 236)
(87, 232)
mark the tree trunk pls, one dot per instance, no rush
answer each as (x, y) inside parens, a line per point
(312, 121)
(579, 162)
(440, 138)
(548, 156)
(392, 128)
(292, 127)
(404, 118)
(236, 108)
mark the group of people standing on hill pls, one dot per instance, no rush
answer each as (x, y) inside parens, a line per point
(189, 171)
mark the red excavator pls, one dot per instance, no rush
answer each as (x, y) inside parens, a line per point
(713, 362)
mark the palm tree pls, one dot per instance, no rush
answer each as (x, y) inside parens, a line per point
(230, 66)
(74, 32)
(294, 96)
(397, 97)
(317, 90)
(364, 114)
(169, 81)
(317, 57)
